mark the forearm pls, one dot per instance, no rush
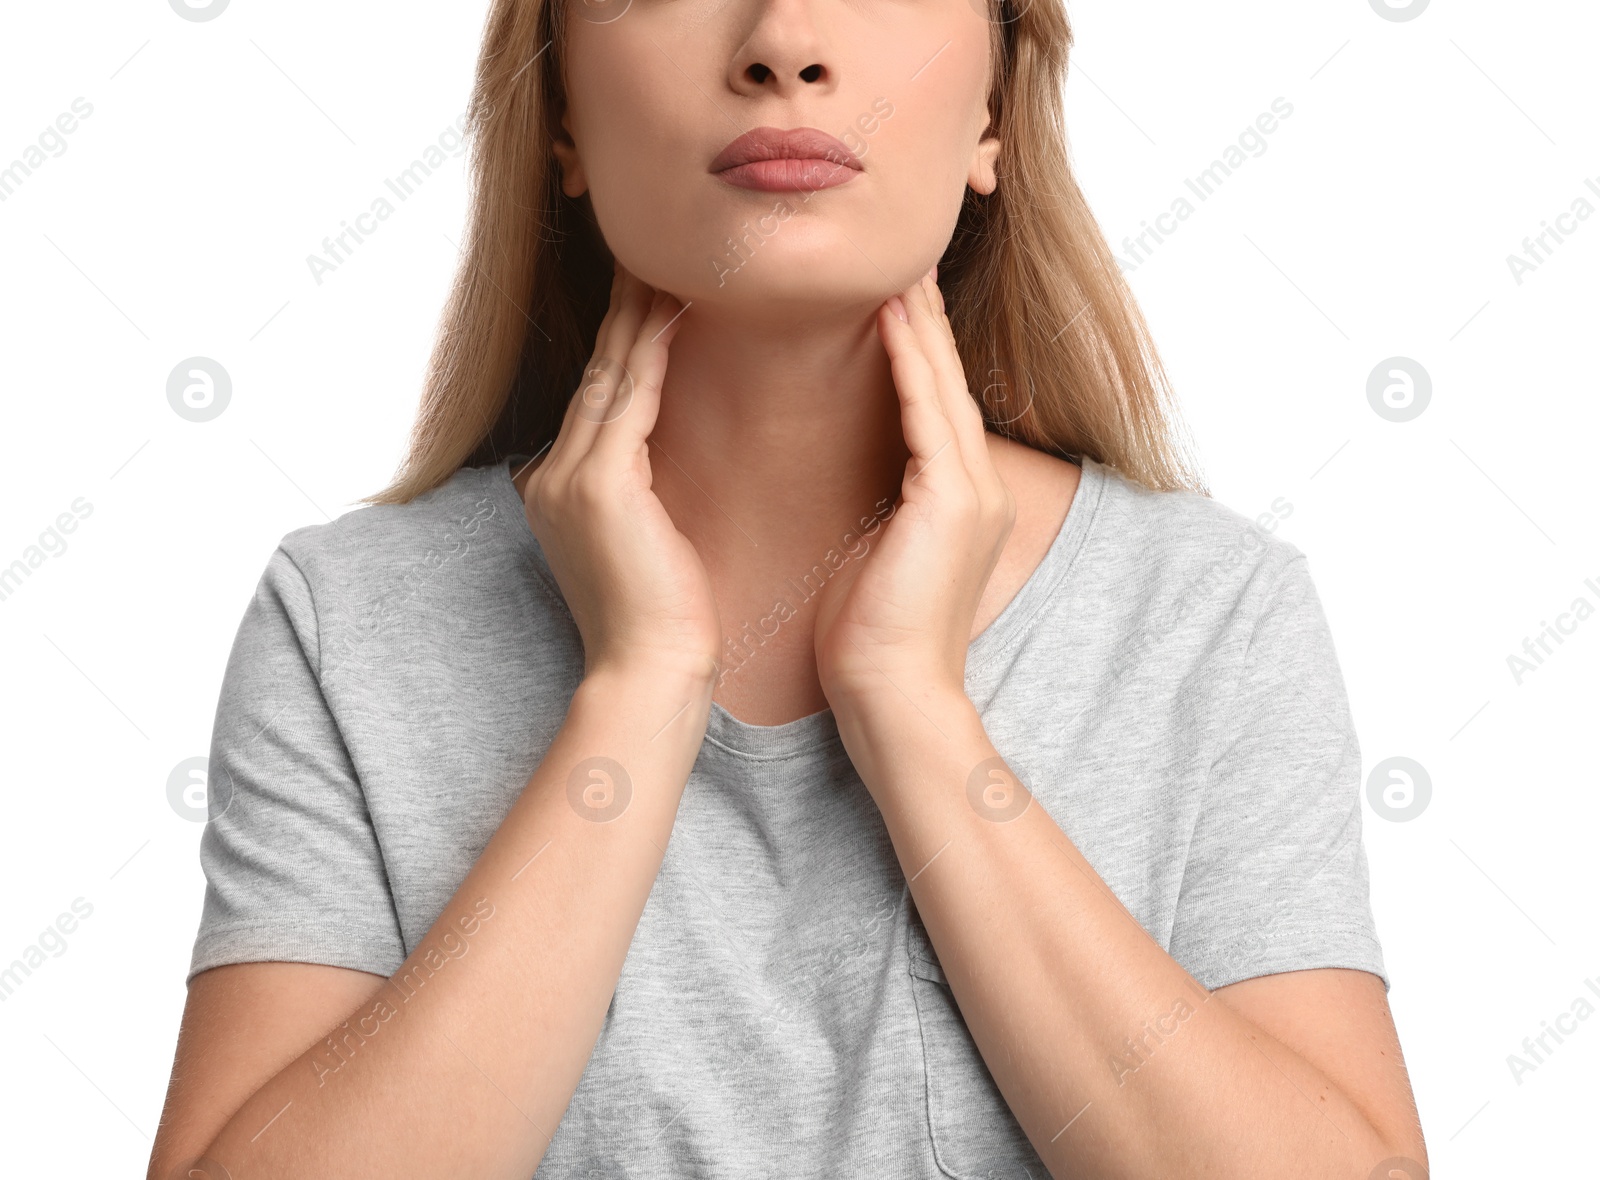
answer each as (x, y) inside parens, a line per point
(1114, 1060)
(464, 1062)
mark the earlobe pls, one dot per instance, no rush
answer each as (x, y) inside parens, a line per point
(573, 182)
(982, 178)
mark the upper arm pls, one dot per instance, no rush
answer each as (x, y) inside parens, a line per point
(294, 868)
(1339, 1021)
(298, 926)
(1274, 913)
(242, 1024)
(1275, 875)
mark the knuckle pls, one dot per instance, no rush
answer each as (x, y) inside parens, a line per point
(543, 502)
(588, 486)
(1002, 507)
(965, 503)
(647, 383)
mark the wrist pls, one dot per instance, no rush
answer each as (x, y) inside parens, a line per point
(891, 702)
(627, 746)
(889, 733)
(688, 675)
(657, 694)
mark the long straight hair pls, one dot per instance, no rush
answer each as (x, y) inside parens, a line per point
(1055, 348)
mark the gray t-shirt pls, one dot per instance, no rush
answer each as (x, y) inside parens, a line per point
(1164, 683)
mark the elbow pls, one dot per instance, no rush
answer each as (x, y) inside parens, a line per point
(167, 1164)
(1404, 1156)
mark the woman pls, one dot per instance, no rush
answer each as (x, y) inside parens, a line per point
(779, 759)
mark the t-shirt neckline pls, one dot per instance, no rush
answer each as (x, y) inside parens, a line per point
(817, 730)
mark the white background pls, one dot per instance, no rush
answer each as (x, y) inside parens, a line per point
(1419, 155)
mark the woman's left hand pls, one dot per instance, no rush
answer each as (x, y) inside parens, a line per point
(899, 620)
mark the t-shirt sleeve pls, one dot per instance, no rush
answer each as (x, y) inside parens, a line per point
(1276, 876)
(293, 868)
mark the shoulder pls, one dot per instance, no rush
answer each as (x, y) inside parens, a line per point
(1175, 600)
(1192, 543)
(1178, 578)
(1044, 488)
(375, 540)
(1146, 534)
(341, 581)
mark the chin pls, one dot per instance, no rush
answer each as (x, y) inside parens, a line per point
(785, 291)
(783, 273)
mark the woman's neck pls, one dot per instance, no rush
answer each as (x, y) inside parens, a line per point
(773, 441)
(773, 444)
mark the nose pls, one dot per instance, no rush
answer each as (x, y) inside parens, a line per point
(784, 54)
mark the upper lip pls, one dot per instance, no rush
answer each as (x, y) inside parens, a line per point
(772, 143)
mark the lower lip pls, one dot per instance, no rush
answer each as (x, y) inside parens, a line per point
(786, 176)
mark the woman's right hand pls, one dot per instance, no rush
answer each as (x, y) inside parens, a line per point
(635, 585)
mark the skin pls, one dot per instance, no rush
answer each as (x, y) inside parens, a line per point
(794, 381)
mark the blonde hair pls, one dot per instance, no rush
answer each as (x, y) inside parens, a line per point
(1048, 331)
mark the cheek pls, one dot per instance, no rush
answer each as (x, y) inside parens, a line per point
(925, 152)
(639, 125)
(622, 116)
(922, 153)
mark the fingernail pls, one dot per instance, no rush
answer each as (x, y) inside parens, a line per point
(935, 272)
(899, 308)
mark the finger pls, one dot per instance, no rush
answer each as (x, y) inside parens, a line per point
(968, 414)
(574, 435)
(927, 431)
(960, 406)
(939, 344)
(602, 392)
(647, 370)
(606, 392)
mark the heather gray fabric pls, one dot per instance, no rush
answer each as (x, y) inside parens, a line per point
(1165, 683)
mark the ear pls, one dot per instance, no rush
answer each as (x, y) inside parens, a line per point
(981, 177)
(573, 181)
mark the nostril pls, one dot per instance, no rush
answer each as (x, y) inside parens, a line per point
(759, 73)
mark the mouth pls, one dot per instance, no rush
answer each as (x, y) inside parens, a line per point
(774, 160)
